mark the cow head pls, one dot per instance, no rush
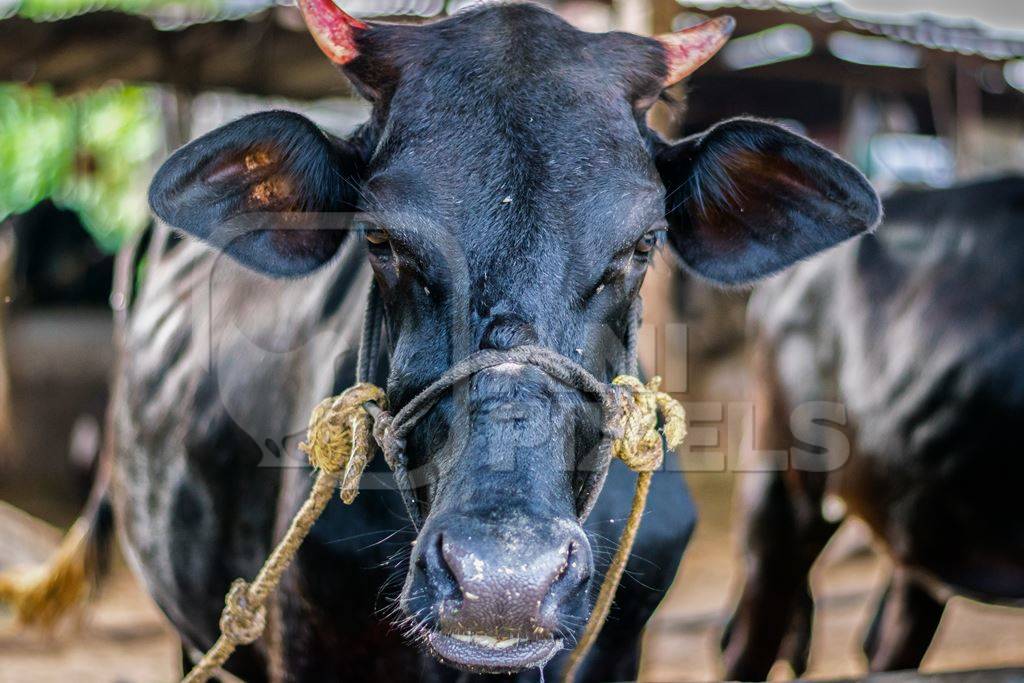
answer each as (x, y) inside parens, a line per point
(509, 193)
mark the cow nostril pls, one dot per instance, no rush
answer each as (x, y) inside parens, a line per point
(445, 568)
(572, 577)
(434, 566)
(492, 584)
(576, 564)
(563, 570)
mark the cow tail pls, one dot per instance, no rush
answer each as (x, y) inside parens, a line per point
(44, 596)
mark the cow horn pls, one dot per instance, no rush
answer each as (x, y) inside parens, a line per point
(689, 48)
(333, 30)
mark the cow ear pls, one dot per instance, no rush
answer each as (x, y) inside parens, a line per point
(271, 190)
(747, 198)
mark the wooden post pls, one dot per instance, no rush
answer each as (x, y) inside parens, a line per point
(968, 118)
(662, 118)
(633, 16)
(651, 17)
(940, 97)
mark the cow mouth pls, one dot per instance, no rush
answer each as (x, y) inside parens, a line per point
(488, 654)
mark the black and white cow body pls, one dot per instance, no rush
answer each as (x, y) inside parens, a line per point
(917, 332)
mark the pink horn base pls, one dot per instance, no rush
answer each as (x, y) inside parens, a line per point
(333, 30)
(690, 48)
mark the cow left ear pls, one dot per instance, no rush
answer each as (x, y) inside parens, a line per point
(748, 198)
(271, 190)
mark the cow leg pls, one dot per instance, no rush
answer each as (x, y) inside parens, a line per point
(784, 534)
(796, 647)
(904, 625)
(870, 644)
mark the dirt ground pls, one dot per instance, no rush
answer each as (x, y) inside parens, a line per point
(124, 639)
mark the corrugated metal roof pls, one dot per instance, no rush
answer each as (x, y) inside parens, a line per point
(178, 13)
(921, 28)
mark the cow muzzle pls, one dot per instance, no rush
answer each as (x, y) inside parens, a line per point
(500, 598)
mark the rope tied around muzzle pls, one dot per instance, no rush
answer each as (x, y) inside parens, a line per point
(640, 445)
(338, 445)
(338, 437)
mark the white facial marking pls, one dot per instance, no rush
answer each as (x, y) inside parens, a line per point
(508, 368)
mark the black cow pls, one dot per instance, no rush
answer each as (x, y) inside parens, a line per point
(918, 332)
(509, 193)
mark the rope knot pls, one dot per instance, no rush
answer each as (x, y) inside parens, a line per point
(640, 405)
(383, 434)
(242, 620)
(338, 436)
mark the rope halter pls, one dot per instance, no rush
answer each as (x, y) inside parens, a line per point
(339, 449)
(242, 622)
(640, 444)
(338, 436)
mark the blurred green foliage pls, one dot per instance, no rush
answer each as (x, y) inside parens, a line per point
(90, 153)
(49, 10)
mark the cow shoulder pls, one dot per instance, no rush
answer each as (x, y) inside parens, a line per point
(220, 368)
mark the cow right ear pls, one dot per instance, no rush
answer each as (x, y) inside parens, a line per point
(748, 198)
(271, 190)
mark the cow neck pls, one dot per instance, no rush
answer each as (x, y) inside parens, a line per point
(390, 431)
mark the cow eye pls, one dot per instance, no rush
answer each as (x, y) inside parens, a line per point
(648, 242)
(377, 236)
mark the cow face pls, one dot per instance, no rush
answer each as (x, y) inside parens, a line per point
(509, 193)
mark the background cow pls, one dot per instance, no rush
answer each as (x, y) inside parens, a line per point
(918, 330)
(513, 195)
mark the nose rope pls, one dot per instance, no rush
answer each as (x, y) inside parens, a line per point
(391, 431)
(339, 448)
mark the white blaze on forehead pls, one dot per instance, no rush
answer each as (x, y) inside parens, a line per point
(509, 368)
